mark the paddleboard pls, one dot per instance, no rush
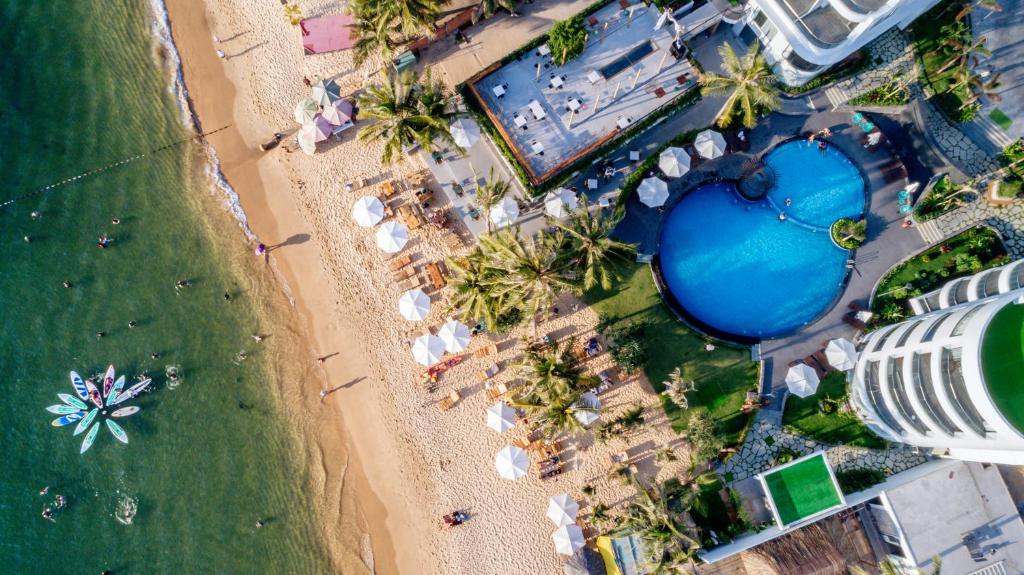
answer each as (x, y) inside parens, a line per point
(61, 409)
(72, 400)
(118, 386)
(66, 419)
(108, 380)
(86, 421)
(89, 438)
(94, 394)
(126, 411)
(133, 391)
(79, 385)
(117, 432)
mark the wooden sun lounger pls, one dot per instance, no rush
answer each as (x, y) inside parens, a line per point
(450, 401)
(488, 373)
(410, 283)
(403, 274)
(489, 349)
(409, 216)
(400, 262)
(496, 392)
(387, 189)
(434, 273)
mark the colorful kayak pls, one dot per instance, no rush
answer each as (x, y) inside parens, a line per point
(132, 391)
(86, 421)
(61, 409)
(72, 400)
(79, 385)
(117, 432)
(66, 419)
(126, 411)
(108, 380)
(89, 438)
(94, 393)
(118, 386)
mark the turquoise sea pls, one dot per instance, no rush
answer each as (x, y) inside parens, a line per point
(84, 84)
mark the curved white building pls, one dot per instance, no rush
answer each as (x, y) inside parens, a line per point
(952, 378)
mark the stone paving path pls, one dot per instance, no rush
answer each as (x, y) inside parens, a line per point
(1008, 220)
(895, 57)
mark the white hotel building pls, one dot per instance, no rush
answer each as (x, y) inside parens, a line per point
(952, 377)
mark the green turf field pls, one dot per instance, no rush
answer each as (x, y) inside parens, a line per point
(1002, 362)
(803, 489)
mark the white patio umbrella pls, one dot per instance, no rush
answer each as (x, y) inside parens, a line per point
(562, 510)
(501, 417)
(455, 336)
(512, 462)
(842, 354)
(465, 132)
(652, 192)
(307, 139)
(674, 162)
(368, 211)
(568, 539)
(710, 144)
(559, 203)
(325, 91)
(589, 400)
(339, 112)
(427, 349)
(414, 305)
(801, 380)
(504, 213)
(306, 110)
(391, 237)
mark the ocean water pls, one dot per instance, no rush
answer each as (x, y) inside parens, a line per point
(83, 84)
(737, 268)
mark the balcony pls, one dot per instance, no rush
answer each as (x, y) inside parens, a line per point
(952, 378)
(925, 389)
(864, 6)
(871, 384)
(899, 394)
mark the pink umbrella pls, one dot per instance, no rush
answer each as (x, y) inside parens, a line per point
(320, 129)
(339, 112)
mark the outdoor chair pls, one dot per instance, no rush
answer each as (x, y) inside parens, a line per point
(410, 283)
(489, 349)
(404, 274)
(400, 262)
(496, 392)
(450, 401)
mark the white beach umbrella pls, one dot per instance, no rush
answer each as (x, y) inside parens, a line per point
(559, 203)
(465, 132)
(339, 112)
(427, 349)
(562, 510)
(325, 91)
(710, 144)
(568, 539)
(306, 110)
(802, 380)
(414, 305)
(652, 192)
(674, 162)
(512, 462)
(307, 140)
(588, 400)
(842, 354)
(455, 336)
(368, 211)
(391, 237)
(504, 213)
(501, 417)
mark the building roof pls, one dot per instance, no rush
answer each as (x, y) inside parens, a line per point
(802, 489)
(937, 511)
(1002, 362)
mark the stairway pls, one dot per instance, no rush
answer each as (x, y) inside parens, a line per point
(984, 132)
(836, 96)
(929, 231)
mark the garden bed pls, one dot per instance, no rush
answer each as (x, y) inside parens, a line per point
(820, 417)
(930, 31)
(943, 197)
(891, 94)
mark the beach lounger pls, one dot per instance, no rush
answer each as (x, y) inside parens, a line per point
(488, 373)
(403, 274)
(410, 283)
(410, 217)
(400, 262)
(387, 189)
(489, 349)
(434, 273)
(450, 401)
(495, 392)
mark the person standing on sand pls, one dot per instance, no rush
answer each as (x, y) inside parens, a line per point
(221, 55)
(306, 81)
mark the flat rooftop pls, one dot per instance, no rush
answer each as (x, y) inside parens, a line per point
(622, 44)
(1002, 362)
(802, 489)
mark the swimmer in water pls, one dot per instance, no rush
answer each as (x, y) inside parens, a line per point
(67, 284)
(789, 201)
(44, 490)
(782, 216)
(60, 501)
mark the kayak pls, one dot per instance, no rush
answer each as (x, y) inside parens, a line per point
(66, 419)
(72, 400)
(132, 391)
(117, 432)
(89, 438)
(118, 386)
(62, 409)
(108, 381)
(86, 421)
(126, 411)
(79, 385)
(94, 394)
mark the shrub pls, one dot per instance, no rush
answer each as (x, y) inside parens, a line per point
(703, 436)
(856, 480)
(853, 64)
(784, 457)
(507, 321)
(891, 94)
(628, 352)
(567, 39)
(848, 233)
(967, 263)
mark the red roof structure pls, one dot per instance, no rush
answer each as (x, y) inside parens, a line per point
(327, 34)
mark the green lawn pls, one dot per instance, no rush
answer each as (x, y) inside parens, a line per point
(804, 416)
(1002, 362)
(723, 376)
(801, 490)
(928, 40)
(1000, 118)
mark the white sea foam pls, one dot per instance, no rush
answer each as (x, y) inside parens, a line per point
(161, 29)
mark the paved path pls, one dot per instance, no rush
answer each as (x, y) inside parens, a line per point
(1004, 30)
(1008, 220)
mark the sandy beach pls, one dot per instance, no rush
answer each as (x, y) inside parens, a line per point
(389, 461)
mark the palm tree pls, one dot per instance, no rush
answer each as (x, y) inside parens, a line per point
(533, 273)
(406, 16)
(490, 194)
(979, 87)
(471, 288)
(554, 367)
(406, 112)
(553, 410)
(489, 7)
(293, 13)
(657, 518)
(676, 388)
(591, 247)
(962, 53)
(750, 81)
(851, 230)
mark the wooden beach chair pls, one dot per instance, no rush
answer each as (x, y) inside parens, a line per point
(403, 274)
(489, 349)
(400, 262)
(434, 274)
(488, 373)
(450, 401)
(409, 215)
(387, 189)
(496, 392)
(410, 283)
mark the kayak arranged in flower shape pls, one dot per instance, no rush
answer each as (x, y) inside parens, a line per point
(103, 397)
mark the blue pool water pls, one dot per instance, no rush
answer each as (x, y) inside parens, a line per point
(735, 267)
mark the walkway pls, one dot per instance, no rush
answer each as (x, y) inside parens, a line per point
(1008, 220)
(1004, 30)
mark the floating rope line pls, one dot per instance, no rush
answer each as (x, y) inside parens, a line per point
(97, 171)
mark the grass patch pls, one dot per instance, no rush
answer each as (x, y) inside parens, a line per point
(928, 39)
(1002, 362)
(723, 376)
(801, 490)
(816, 418)
(1000, 119)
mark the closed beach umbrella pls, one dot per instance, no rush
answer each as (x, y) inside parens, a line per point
(592, 404)
(504, 213)
(559, 203)
(325, 91)
(501, 417)
(391, 237)
(512, 462)
(842, 354)
(465, 132)
(339, 112)
(414, 305)
(562, 510)
(652, 192)
(427, 349)
(674, 162)
(710, 144)
(801, 380)
(368, 211)
(568, 539)
(307, 139)
(455, 336)
(306, 110)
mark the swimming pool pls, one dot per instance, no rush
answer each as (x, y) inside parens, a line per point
(739, 270)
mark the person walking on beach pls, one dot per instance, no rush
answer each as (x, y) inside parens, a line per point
(307, 82)
(221, 55)
(261, 249)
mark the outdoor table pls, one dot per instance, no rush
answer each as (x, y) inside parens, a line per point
(557, 82)
(543, 50)
(622, 123)
(499, 90)
(634, 156)
(592, 184)
(538, 111)
(519, 121)
(574, 104)
(593, 76)
(537, 147)
(603, 202)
